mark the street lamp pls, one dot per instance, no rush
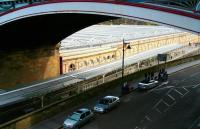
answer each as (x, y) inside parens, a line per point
(128, 47)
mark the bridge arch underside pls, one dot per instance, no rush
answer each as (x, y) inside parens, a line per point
(45, 30)
(50, 22)
(29, 47)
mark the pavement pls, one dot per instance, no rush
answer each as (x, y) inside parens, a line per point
(154, 109)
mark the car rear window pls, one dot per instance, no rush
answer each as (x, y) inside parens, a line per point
(104, 101)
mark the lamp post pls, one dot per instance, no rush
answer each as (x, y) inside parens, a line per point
(123, 51)
(123, 60)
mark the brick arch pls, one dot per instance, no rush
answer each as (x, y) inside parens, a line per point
(72, 67)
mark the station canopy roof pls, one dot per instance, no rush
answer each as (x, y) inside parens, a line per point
(97, 35)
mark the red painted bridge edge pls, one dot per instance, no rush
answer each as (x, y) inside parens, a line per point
(173, 11)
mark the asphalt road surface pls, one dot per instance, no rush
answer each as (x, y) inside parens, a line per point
(175, 105)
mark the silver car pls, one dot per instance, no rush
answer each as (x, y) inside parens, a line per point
(78, 118)
(149, 85)
(106, 103)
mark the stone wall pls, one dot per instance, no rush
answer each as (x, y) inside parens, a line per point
(25, 66)
(85, 58)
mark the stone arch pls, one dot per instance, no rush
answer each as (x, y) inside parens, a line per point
(108, 57)
(92, 62)
(85, 63)
(72, 67)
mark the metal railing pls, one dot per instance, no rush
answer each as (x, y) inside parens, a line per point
(184, 5)
(6, 5)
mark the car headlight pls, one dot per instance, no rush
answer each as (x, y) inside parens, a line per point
(69, 125)
(100, 109)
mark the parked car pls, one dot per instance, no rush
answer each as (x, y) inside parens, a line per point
(106, 103)
(127, 88)
(78, 118)
(147, 85)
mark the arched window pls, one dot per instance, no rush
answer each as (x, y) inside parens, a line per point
(108, 57)
(98, 60)
(92, 62)
(72, 67)
(113, 56)
(85, 62)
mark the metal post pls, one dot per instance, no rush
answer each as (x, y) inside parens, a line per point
(13, 4)
(42, 101)
(158, 66)
(103, 78)
(123, 61)
(138, 65)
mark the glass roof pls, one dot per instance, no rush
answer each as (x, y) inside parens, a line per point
(105, 34)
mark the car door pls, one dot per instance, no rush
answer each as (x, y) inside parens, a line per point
(82, 119)
(111, 104)
(87, 116)
(114, 102)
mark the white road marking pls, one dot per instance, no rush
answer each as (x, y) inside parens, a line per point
(194, 123)
(196, 86)
(187, 91)
(188, 86)
(157, 104)
(170, 95)
(158, 86)
(194, 74)
(148, 118)
(156, 89)
(178, 92)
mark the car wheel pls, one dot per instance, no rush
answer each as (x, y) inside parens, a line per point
(91, 119)
(106, 110)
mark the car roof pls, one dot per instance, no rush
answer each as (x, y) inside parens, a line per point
(82, 110)
(109, 97)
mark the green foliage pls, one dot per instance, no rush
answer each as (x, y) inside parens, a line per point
(123, 21)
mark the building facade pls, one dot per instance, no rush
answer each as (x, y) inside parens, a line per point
(81, 58)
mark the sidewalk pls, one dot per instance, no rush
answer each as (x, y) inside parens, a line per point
(57, 121)
(182, 66)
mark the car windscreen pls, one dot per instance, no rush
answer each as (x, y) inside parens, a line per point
(75, 116)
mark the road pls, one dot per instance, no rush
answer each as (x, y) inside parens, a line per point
(143, 109)
(171, 106)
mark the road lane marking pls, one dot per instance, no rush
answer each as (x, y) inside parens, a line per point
(194, 123)
(161, 101)
(147, 117)
(157, 89)
(196, 86)
(187, 91)
(178, 92)
(171, 97)
(164, 83)
(194, 74)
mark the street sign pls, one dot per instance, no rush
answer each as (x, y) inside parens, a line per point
(162, 57)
